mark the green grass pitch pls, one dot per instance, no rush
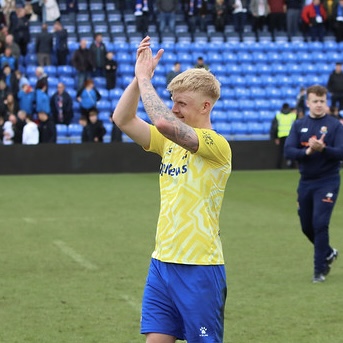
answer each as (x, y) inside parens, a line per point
(75, 249)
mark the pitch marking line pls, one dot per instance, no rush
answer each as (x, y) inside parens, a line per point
(132, 302)
(74, 255)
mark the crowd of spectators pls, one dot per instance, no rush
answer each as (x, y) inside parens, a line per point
(22, 103)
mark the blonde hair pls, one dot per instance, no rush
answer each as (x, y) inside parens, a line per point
(198, 80)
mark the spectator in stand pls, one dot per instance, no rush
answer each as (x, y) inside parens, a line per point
(337, 20)
(10, 105)
(30, 132)
(2, 15)
(259, 10)
(7, 7)
(167, 14)
(277, 16)
(293, 17)
(42, 101)
(116, 133)
(61, 105)
(61, 44)
(94, 131)
(2, 121)
(37, 8)
(42, 78)
(83, 63)
(8, 76)
(196, 15)
(3, 35)
(142, 16)
(300, 106)
(280, 128)
(110, 71)
(219, 15)
(98, 52)
(314, 17)
(8, 132)
(26, 97)
(88, 96)
(335, 86)
(47, 128)
(51, 11)
(239, 15)
(174, 72)
(7, 58)
(20, 28)
(4, 90)
(10, 43)
(44, 46)
(201, 63)
(22, 79)
(72, 9)
(21, 122)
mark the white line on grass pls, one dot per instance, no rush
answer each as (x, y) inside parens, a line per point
(132, 302)
(74, 255)
(29, 220)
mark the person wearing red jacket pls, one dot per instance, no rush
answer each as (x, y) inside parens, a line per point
(314, 17)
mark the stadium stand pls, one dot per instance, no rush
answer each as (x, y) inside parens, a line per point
(256, 77)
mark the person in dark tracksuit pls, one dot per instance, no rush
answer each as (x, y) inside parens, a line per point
(316, 142)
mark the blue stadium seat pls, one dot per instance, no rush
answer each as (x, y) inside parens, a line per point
(234, 115)
(258, 92)
(230, 104)
(239, 127)
(97, 17)
(242, 92)
(251, 115)
(114, 16)
(31, 59)
(53, 82)
(104, 93)
(99, 82)
(115, 94)
(83, 17)
(222, 128)
(50, 70)
(66, 71)
(256, 128)
(100, 28)
(219, 116)
(246, 104)
(234, 69)
(267, 115)
(263, 104)
(104, 106)
(62, 130)
(74, 131)
(68, 81)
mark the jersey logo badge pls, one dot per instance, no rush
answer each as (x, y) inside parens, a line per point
(304, 129)
(323, 130)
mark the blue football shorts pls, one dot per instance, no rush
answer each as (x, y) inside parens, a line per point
(185, 301)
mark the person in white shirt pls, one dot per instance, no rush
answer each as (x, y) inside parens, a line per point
(8, 133)
(30, 132)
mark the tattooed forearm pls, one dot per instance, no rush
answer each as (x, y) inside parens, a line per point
(173, 128)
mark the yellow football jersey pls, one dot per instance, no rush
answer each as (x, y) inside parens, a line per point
(192, 190)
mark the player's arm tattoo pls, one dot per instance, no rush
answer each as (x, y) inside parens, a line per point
(177, 131)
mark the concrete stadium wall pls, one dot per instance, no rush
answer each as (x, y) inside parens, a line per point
(114, 158)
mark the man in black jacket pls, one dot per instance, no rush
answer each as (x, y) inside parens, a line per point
(335, 86)
(47, 129)
(44, 46)
(98, 52)
(61, 43)
(61, 105)
(83, 63)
